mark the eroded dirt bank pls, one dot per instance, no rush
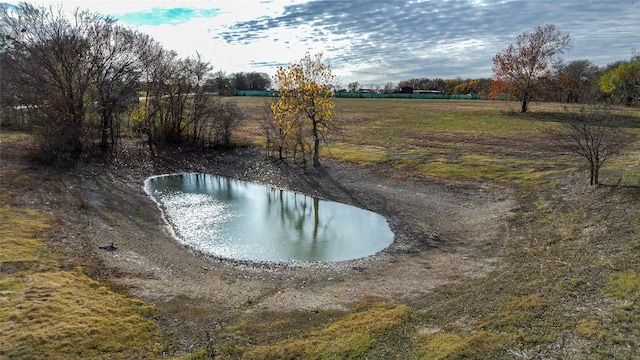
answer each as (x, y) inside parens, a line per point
(443, 231)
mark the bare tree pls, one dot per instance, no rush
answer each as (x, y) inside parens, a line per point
(522, 66)
(592, 131)
(353, 86)
(54, 57)
(221, 84)
(194, 114)
(147, 113)
(389, 87)
(175, 106)
(281, 132)
(226, 117)
(117, 75)
(18, 100)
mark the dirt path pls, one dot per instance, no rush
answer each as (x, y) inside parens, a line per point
(442, 232)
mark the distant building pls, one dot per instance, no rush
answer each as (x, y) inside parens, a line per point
(406, 90)
(427, 92)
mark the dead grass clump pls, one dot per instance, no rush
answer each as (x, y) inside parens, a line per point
(521, 317)
(591, 328)
(480, 345)
(401, 176)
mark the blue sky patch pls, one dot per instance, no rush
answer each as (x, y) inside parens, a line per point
(171, 16)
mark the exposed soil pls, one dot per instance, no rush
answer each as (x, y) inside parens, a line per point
(442, 232)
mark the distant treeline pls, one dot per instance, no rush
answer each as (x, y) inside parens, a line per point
(570, 82)
(227, 85)
(457, 86)
(370, 95)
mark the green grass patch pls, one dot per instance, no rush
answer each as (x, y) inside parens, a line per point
(517, 313)
(441, 346)
(21, 247)
(484, 169)
(361, 155)
(625, 285)
(49, 313)
(346, 338)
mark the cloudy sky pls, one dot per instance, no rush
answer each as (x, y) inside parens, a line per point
(375, 41)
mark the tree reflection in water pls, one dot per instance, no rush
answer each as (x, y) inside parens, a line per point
(294, 213)
(242, 220)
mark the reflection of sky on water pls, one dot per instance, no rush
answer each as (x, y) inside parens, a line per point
(240, 220)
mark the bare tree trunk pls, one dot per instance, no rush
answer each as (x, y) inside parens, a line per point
(151, 142)
(594, 173)
(316, 217)
(316, 145)
(104, 141)
(114, 130)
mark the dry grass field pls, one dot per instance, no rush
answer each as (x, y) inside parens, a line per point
(486, 141)
(570, 286)
(566, 284)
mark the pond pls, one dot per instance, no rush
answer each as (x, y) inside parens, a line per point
(240, 220)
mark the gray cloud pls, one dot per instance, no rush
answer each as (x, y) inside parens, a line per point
(391, 40)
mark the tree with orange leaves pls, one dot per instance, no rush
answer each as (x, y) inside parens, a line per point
(304, 92)
(522, 66)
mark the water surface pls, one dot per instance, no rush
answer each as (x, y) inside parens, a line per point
(246, 221)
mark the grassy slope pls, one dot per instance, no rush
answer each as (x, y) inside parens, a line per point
(47, 312)
(569, 286)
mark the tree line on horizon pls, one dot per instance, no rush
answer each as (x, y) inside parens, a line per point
(86, 79)
(567, 82)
